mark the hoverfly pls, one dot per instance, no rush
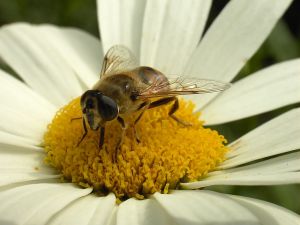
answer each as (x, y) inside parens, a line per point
(125, 87)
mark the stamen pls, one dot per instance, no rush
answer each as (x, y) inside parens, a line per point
(168, 152)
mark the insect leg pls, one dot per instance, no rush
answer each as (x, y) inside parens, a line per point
(123, 126)
(160, 102)
(143, 107)
(85, 132)
(101, 138)
(173, 109)
(77, 118)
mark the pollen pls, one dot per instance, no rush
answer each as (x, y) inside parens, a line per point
(168, 153)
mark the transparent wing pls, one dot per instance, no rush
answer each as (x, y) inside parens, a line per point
(182, 86)
(118, 59)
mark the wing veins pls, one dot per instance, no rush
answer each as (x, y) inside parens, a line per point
(182, 86)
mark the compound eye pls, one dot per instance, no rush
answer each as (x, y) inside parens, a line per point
(89, 103)
(108, 108)
(87, 100)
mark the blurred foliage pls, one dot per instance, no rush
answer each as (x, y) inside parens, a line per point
(282, 44)
(75, 13)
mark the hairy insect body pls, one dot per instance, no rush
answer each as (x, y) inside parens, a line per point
(119, 87)
(124, 88)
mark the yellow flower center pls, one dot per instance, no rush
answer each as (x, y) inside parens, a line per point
(168, 152)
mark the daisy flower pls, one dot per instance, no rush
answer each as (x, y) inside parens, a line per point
(172, 164)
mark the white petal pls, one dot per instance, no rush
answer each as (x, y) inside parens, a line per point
(268, 89)
(87, 210)
(120, 22)
(136, 212)
(18, 97)
(203, 207)
(80, 50)
(23, 112)
(18, 159)
(35, 204)
(16, 140)
(22, 165)
(41, 66)
(268, 213)
(171, 31)
(233, 38)
(280, 170)
(15, 122)
(277, 136)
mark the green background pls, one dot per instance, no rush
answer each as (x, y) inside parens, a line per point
(282, 44)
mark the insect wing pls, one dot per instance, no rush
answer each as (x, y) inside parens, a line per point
(182, 86)
(118, 59)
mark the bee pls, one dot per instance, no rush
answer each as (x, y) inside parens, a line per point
(125, 87)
